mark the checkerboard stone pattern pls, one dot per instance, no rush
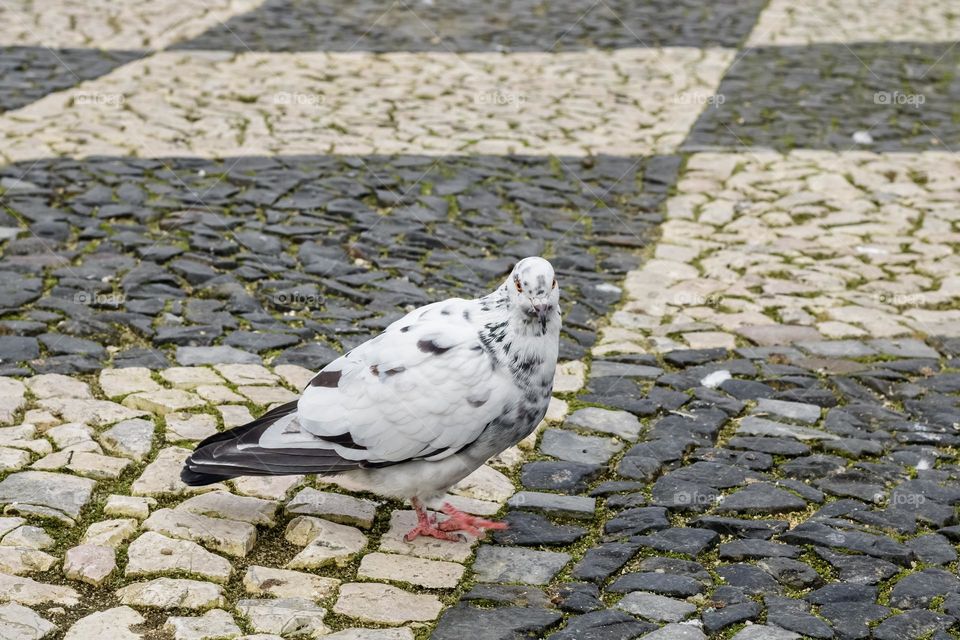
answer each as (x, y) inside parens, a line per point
(752, 209)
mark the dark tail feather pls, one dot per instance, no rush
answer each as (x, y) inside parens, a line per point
(220, 457)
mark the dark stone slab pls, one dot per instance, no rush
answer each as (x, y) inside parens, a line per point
(323, 25)
(817, 96)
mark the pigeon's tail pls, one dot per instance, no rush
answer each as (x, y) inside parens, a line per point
(237, 452)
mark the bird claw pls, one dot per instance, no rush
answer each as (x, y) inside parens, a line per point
(432, 531)
(459, 521)
(454, 527)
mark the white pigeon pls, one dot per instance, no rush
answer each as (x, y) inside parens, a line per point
(416, 409)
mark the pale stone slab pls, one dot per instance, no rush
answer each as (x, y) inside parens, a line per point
(326, 542)
(190, 377)
(189, 426)
(163, 401)
(131, 438)
(89, 563)
(222, 504)
(285, 616)
(228, 536)
(29, 537)
(31, 593)
(266, 487)
(13, 459)
(244, 374)
(110, 533)
(57, 385)
(215, 623)
(153, 553)
(172, 593)
(569, 377)
(372, 602)
(486, 483)
(234, 415)
(113, 623)
(433, 574)
(334, 506)
(132, 506)
(266, 395)
(162, 476)
(98, 413)
(18, 622)
(295, 376)
(20, 560)
(123, 382)
(56, 494)
(283, 583)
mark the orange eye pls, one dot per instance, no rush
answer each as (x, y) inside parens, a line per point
(554, 283)
(516, 281)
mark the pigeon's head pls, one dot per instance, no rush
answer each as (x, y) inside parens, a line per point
(534, 292)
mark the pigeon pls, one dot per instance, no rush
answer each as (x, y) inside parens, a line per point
(416, 409)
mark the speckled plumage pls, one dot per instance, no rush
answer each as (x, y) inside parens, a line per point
(420, 406)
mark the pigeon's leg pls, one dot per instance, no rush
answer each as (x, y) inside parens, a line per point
(459, 521)
(427, 525)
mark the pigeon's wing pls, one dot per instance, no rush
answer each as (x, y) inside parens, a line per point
(424, 389)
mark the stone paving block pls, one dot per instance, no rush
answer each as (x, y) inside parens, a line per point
(512, 564)
(97, 413)
(215, 623)
(153, 553)
(131, 438)
(89, 563)
(172, 593)
(221, 504)
(18, 560)
(122, 382)
(284, 616)
(162, 476)
(227, 536)
(324, 542)
(29, 592)
(283, 583)
(50, 494)
(185, 426)
(618, 423)
(433, 574)
(334, 506)
(380, 603)
(163, 401)
(113, 623)
(110, 533)
(19, 622)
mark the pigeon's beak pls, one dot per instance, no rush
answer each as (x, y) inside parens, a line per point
(542, 310)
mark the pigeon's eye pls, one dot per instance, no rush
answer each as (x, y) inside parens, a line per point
(516, 281)
(554, 286)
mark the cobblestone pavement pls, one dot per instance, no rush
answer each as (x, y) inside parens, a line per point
(752, 211)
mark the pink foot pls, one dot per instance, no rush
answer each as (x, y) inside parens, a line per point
(431, 530)
(459, 521)
(427, 525)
